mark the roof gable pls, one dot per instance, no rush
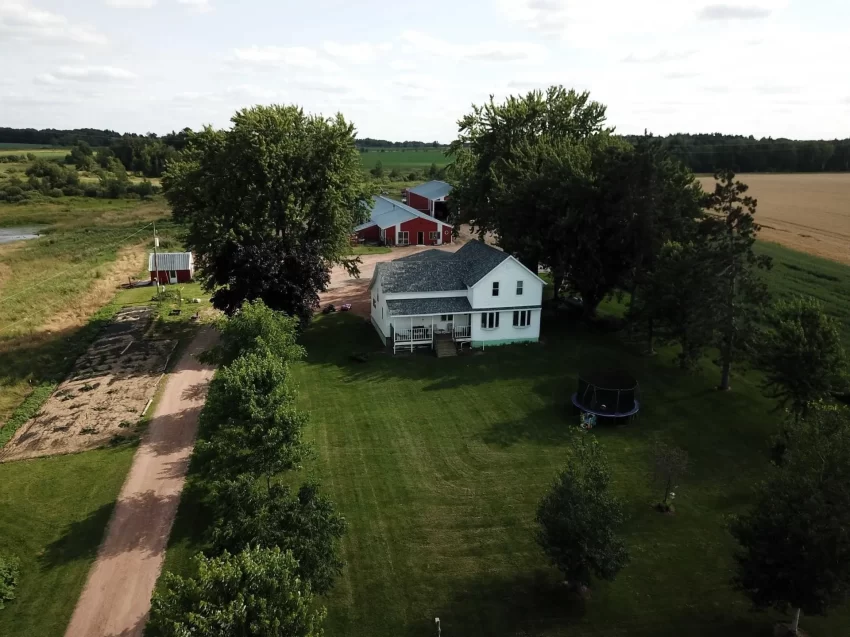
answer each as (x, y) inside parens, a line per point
(387, 212)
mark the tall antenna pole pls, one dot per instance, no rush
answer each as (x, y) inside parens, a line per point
(156, 257)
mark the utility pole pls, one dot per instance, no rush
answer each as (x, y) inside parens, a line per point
(156, 257)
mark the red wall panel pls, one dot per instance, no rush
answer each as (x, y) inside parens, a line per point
(418, 202)
(425, 226)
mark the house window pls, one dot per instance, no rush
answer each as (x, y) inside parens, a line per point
(489, 320)
(495, 288)
(433, 235)
(403, 237)
(374, 302)
(519, 288)
(447, 317)
(522, 318)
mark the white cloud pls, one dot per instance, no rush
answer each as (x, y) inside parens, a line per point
(131, 4)
(85, 74)
(733, 12)
(658, 58)
(356, 53)
(199, 6)
(488, 51)
(23, 23)
(295, 56)
(595, 24)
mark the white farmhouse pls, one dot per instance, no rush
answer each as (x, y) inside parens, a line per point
(478, 295)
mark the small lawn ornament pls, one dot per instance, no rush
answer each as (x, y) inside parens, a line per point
(588, 421)
(346, 307)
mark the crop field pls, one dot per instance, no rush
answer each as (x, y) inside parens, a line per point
(405, 159)
(39, 151)
(806, 212)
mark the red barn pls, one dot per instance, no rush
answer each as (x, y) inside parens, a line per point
(394, 223)
(430, 198)
(173, 267)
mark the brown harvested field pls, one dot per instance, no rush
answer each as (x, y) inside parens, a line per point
(806, 212)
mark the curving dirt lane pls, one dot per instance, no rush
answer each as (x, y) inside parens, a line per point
(116, 598)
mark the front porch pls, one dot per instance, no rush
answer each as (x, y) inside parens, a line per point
(409, 332)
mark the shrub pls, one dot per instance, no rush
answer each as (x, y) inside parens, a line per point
(91, 191)
(13, 191)
(72, 191)
(54, 192)
(9, 573)
(31, 156)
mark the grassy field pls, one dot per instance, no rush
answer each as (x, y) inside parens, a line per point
(39, 151)
(53, 513)
(404, 160)
(807, 212)
(50, 286)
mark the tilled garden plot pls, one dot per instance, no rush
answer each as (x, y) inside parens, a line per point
(103, 398)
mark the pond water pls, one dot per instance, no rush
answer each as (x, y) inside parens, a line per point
(21, 233)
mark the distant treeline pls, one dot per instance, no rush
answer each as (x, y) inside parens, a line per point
(368, 142)
(703, 153)
(707, 153)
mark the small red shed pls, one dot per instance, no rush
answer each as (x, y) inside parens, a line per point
(173, 267)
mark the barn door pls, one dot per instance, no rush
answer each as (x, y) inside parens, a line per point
(420, 238)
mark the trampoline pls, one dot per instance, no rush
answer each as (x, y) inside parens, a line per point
(611, 393)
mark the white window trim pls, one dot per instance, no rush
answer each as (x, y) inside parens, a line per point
(520, 288)
(495, 289)
(486, 320)
(433, 235)
(522, 315)
(403, 237)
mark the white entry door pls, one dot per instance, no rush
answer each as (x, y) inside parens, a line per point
(172, 276)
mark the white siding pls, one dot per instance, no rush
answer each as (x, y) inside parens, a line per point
(507, 274)
(506, 330)
(378, 303)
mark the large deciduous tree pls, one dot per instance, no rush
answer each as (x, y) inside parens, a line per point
(731, 231)
(269, 204)
(249, 513)
(678, 298)
(801, 355)
(255, 593)
(250, 422)
(497, 142)
(579, 519)
(257, 327)
(795, 545)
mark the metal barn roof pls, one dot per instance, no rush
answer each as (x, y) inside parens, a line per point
(432, 189)
(387, 213)
(170, 261)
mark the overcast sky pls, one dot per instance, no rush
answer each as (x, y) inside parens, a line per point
(409, 70)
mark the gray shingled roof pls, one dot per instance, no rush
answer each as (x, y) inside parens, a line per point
(418, 307)
(439, 271)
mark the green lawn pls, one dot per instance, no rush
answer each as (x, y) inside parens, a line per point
(362, 250)
(53, 513)
(439, 464)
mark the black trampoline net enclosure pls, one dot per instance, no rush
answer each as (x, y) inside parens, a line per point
(609, 392)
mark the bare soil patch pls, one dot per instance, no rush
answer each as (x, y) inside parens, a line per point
(104, 396)
(805, 212)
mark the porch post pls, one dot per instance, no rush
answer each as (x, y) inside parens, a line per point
(432, 331)
(411, 334)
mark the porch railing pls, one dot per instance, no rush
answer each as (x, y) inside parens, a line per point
(462, 332)
(413, 334)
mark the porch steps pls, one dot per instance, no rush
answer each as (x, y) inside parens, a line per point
(444, 346)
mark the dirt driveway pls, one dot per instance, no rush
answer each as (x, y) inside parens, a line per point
(344, 289)
(116, 598)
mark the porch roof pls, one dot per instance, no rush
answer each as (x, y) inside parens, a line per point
(420, 307)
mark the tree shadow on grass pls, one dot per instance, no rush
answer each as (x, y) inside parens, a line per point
(131, 524)
(505, 606)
